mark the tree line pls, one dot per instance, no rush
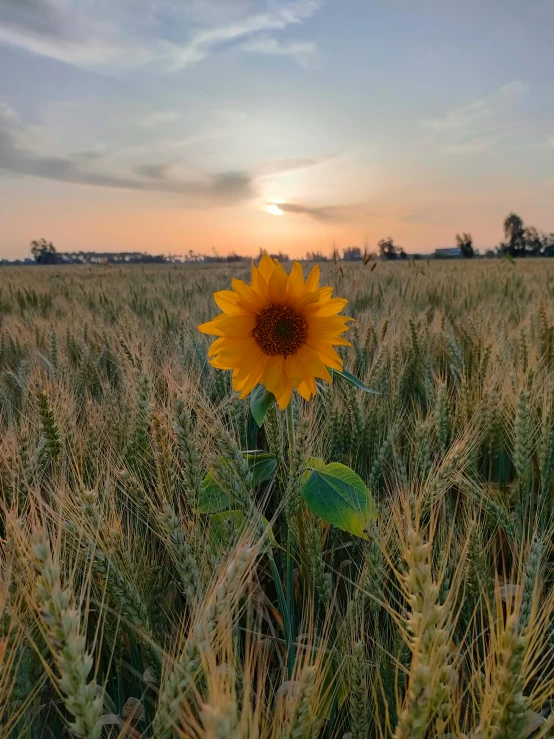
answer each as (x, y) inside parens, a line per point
(519, 241)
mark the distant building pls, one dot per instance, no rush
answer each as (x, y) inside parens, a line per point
(450, 253)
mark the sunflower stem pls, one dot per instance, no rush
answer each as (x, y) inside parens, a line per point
(299, 521)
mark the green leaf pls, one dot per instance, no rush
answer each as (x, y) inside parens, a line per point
(213, 499)
(353, 380)
(260, 402)
(223, 524)
(339, 496)
(262, 466)
(315, 463)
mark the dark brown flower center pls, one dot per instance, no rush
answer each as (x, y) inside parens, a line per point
(280, 330)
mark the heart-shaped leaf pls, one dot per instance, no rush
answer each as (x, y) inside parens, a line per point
(339, 496)
(314, 463)
(260, 402)
(262, 466)
(213, 499)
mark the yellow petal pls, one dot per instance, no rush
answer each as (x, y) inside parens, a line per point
(275, 378)
(240, 326)
(233, 351)
(328, 356)
(294, 369)
(266, 267)
(313, 279)
(248, 297)
(245, 385)
(217, 346)
(328, 324)
(278, 283)
(283, 399)
(296, 283)
(315, 298)
(213, 327)
(304, 390)
(216, 363)
(228, 301)
(255, 360)
(329, 308)
(248, 387)
(259, 285)
(312, 364)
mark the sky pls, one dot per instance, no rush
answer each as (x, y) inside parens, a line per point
(170, 125)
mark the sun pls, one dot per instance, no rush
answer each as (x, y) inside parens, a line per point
(274, 209)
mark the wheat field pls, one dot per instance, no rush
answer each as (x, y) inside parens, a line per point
(127, 611)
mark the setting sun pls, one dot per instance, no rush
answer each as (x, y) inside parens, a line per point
(274, 210)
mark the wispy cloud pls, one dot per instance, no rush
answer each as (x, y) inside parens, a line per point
(81, 34)
(205, 42)
(19, 157)
(8, 115)
(303, 52)
(480, 125)
(473, 112)
(155, 118)
(476, 144)
(327, 214)
(78, 33)
(281, 166)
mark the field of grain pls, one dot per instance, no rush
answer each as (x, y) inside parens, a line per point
(126, 612)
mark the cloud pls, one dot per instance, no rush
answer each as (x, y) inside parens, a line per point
(204, 42)
(479, 144)
(156, 118)
(480, 125)
(281, 166)
(82, 32)
(159, 171)
(107, 35)
(18, 157)
(474, 112)
(88, 53)
(303, 52)
(39, 16)
(8, 116)
(326, 214)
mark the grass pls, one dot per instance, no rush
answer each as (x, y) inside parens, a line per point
(126, 613)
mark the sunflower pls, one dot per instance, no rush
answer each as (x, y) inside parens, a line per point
(279, 331)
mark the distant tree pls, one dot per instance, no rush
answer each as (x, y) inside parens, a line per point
(233, 257)
(387, 249)
(465, 245)
(535, 241)
(514, 231)
(549, 246)
(401, 253)
(316, 256)
(352, 254)
(279, 256)
(44, 252)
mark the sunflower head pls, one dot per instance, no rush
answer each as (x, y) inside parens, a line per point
(280, 330)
